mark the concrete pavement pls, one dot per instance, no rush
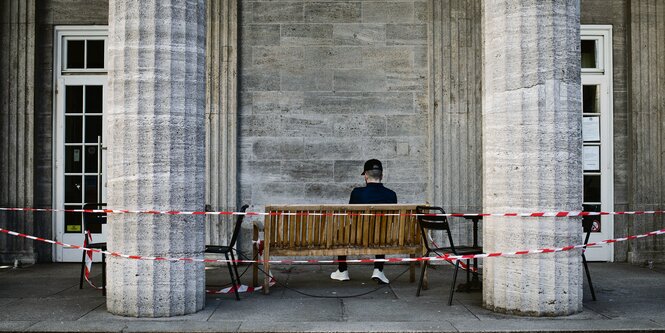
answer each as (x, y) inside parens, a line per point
(46, 298)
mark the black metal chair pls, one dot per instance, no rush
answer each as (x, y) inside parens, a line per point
(587, 225)
(227, 250)
(92, 222)
(440, 223)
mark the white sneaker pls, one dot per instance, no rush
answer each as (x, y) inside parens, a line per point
(379, 277)
(340, 276)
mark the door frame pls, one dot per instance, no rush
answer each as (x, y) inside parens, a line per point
(603, 76)
(60, 78)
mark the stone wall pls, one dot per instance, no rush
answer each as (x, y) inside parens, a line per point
(325, 86)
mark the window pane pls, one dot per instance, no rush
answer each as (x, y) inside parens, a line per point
(74, 99)
(95, 54)
(75, 50)
(590, 99)
(90, 189)
(93, 128)
(91, 159)
(73, 159)
(94, 222)
(73, 188)
(73, 221)
(592, 222)
(93, 99)
(73, 129)
(592, 188)
(588, 49)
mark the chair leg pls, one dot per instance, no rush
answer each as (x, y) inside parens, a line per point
(233, 279)
(103, 274)
(82, 269)
(452, 288)
(422, 275)
(588, 276)
(468, 274)
(235, 268)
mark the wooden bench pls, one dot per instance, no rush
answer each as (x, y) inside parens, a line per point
(334, 235)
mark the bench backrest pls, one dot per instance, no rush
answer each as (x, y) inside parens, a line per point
(328, 231)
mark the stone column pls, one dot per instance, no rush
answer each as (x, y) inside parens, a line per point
(221, 117)
(17, 80)
(532, 150)
(156, 158)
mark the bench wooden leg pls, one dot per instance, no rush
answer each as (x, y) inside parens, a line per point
(266, 280)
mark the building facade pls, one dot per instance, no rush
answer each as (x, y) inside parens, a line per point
(300, 93)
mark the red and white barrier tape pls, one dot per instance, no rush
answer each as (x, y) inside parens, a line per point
(88, 260)
(446, 257)
(177, 212)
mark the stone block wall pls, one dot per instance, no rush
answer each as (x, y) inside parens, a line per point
(324, 86)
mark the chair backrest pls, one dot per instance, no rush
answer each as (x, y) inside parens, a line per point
(238, 226)
(94, 221)
(427, 223)
(587, 226)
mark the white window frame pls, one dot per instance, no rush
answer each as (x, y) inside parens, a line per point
(602, 75)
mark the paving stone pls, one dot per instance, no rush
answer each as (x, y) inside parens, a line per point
(37, 309)
(15, 325)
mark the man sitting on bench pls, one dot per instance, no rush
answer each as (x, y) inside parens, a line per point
(373, 193)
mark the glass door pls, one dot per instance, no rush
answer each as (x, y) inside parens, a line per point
(81, 168)
(79, 154)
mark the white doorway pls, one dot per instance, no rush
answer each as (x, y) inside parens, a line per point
(78, 152)
(597, 133)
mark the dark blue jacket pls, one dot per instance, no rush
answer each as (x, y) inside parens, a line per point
(373, 193)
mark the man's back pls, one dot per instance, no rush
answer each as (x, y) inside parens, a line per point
(373, 193)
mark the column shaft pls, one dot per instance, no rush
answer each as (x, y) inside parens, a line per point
(156, 158)
(532, 154)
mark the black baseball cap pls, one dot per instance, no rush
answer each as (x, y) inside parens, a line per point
(372, 164)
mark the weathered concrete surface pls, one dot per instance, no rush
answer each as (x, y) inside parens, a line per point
(156, 154)
(532, 154)
(627, 302)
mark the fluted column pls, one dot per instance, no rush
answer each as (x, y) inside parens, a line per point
(532, 149)
(221, 116)
(156, 159)
(17, 79)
